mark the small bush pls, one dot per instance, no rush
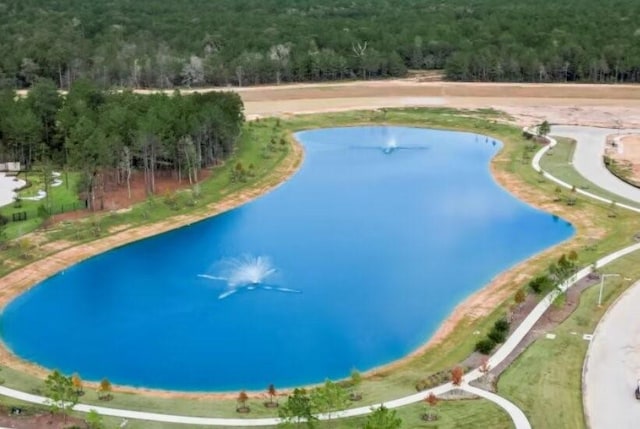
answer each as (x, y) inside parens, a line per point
(497, 336)
(456, 375)
(540, 284)
(501, 325)
(485, 346)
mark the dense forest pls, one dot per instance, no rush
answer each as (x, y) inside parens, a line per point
(101, 133)
(165, 44)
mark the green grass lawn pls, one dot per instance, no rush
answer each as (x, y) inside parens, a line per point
(546, 380)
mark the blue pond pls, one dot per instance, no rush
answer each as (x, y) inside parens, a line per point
(352, 263)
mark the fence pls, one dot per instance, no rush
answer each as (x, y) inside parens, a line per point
(20, 216)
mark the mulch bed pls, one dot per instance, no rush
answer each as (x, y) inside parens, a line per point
(549, 320)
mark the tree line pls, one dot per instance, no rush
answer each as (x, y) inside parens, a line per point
(164, 44)
(112, 133)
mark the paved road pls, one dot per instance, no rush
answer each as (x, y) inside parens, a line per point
(613, 366)
(587, 159)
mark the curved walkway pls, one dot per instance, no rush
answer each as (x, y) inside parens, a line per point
(518, 417)
(612, 367)
(587, 159)
(535, 163)
(510, 344)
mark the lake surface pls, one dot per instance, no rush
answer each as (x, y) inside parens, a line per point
(356, 261)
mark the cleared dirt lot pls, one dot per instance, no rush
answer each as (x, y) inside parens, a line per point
(578, 104)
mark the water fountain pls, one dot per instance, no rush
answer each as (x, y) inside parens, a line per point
(246, 272)
(390, 145)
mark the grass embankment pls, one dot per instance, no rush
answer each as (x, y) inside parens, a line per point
(546, 380)
(512, 169)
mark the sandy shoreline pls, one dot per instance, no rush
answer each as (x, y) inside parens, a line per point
(478, 305)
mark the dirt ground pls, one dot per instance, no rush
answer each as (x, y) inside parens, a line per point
(116, 197)
(528, 104)
(626, 150)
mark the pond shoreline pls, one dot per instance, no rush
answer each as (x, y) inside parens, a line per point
(478, 305)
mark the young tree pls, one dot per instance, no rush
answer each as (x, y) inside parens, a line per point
(104, 390)
(356, 379)
(242, 402)
(298, 409)
(60, 393)
(544, 128)
(431, 401)
(271, 391)
(77, 384)
(456, 375)
(94, 420)
(383, 418)
(558, 192)
(330, 397)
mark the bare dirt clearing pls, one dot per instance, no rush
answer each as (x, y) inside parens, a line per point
(577, 104)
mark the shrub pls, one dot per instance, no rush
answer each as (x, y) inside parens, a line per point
(497, 336)
(456, 375)
(501, 325)
(540, 284)
(485, 346)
